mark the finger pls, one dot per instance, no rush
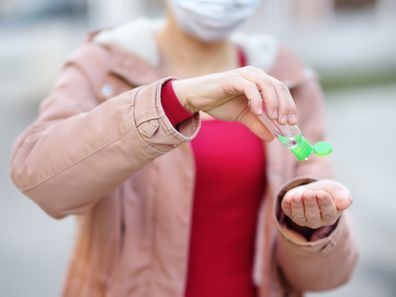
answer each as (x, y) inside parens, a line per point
(288, 196)
(250, 90)
(327, 207)
(287, 207)
(298, 210)
(264, 84)
(339, 193)
(342, 199)
(311, 209)
(286, 106)
(297, 191)
(251, 121)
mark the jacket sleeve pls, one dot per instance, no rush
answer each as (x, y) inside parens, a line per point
(328, 262)
(77, 150)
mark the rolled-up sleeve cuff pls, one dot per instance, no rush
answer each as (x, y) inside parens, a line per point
(152, 123)
(321, 245)
(324, 245)
(175, 112)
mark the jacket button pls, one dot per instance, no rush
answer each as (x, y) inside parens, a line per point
(107, 90)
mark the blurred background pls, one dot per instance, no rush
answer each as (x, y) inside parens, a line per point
(350, 43)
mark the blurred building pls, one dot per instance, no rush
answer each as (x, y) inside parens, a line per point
(22, 10)
(103, 12)
(334, 36)
(304, 11)
(339, 38)
(346, 41)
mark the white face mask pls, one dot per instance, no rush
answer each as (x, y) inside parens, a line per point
(212, 20)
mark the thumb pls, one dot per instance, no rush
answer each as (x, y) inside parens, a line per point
(250, 120)
(343, 200)
(341, 195)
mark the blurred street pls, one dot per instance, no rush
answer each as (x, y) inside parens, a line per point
(34, 249)
(361, 126)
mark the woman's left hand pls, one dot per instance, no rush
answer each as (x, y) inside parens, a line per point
(316, 204)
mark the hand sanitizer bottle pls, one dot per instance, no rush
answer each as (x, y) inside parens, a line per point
(291, 136)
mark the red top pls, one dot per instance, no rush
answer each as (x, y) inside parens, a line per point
(229, 185)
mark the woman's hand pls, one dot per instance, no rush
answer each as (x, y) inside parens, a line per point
(316, 204)
(239, 95)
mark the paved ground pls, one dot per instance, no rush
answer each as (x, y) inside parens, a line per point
(34, 248)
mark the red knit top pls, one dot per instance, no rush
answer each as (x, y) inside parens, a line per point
(229, 186)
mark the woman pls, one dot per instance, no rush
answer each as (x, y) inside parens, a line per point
(165, 210)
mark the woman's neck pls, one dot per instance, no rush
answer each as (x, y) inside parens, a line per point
(189, 56)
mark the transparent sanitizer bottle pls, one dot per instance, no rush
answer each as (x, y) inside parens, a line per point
(291, 136)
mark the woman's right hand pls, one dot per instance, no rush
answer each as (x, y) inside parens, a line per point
(239, 95)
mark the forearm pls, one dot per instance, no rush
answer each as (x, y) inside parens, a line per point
(320, 265)
(313, 259)
(73, 162)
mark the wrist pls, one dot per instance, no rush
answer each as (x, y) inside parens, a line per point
(308, 233)
(182, 88)
(173, 109)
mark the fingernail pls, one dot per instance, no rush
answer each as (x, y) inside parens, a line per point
(345, 199)
(292, 119)
(274, 115)
(349, 200)
(282, 119)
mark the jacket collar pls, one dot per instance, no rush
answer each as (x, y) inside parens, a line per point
(136, 58)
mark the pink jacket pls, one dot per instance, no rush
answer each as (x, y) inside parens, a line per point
(103, 150)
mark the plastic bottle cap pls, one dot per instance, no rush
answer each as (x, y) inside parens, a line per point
(303, 149)
(322, 148)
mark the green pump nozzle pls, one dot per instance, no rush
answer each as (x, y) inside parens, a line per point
(302, 149)
(291, 136)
